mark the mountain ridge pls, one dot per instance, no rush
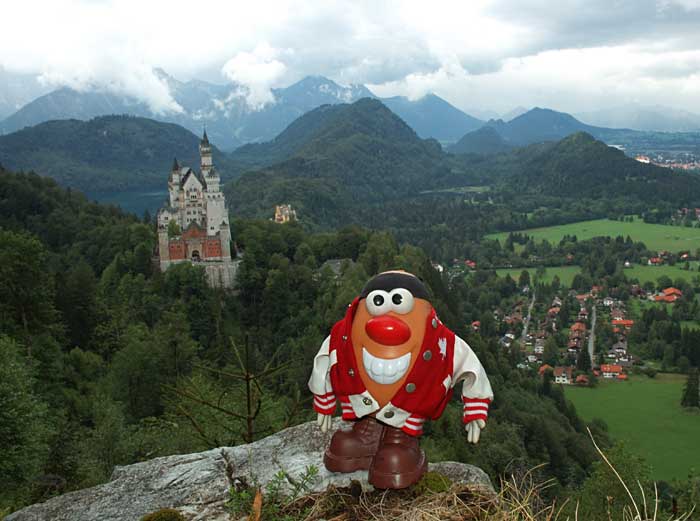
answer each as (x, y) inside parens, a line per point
(104, 153)
(229, 119)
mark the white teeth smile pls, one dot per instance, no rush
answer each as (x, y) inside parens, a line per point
(385, 370)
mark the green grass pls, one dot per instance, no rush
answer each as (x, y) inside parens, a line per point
(652, 273)
(646, 414)
(636, 307)
(566, 274)
(656, 237)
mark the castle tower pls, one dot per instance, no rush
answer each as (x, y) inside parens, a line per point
(174, 184)
(205, 155)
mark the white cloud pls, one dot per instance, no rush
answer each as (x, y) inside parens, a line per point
(257, 72)
(487, 53)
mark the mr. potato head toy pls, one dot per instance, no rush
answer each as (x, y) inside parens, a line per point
(393, 364)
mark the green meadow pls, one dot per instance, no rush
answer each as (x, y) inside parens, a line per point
(566, 274)
(655, 236)
(652, 273)
(646, 414)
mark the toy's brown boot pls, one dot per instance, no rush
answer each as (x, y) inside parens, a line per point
(354, 449)
(399, 462)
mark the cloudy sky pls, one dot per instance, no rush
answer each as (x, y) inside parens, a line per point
(494, 55)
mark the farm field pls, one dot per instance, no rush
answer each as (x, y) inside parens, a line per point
(652, 273)
(566, 274)
(654, 236)
(646, 414)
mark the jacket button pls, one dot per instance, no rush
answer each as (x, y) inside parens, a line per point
(389, 414)
(351, 372)
(345, 337)
(367, 401)
(427, 355)
(410, 387)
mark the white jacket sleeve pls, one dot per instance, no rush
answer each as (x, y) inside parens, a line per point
(476, 390)
(320, 381)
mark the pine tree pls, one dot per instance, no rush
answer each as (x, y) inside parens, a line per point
(551, 352)
(691, 392)
(583, 361)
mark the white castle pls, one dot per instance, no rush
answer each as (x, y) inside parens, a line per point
(193, 224)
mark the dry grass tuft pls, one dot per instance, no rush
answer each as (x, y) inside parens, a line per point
(520, 499)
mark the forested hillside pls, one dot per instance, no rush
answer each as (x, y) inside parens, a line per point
(106, 361)
(581, 166)
(337, 160)
(485, 140)
(103, 154)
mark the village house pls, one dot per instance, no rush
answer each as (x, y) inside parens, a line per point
(617, 314)
(544, 368)
(553, 311)
(582, 379)
(563, 375)
(610, 370)
(622, 324)
(608, 302)
(669, 295)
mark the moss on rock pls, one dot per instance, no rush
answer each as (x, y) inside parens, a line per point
(164, 514)
(432, 483)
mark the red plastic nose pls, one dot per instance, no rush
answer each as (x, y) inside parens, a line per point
(387, 330)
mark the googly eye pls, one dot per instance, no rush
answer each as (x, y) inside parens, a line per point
(378, 302)
(401, 301)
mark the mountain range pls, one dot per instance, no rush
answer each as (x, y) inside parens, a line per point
(339, 160)
(229, 119)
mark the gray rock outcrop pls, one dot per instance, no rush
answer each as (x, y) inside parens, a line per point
(198, 484)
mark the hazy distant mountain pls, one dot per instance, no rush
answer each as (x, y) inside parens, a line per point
(105, 153)
(432, 116)
(482, 114)
(229, 119)
(539, 125)
(16, 90)
(639, 117)
(512, 114)
(485, 140)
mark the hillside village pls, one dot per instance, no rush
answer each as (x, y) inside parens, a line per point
(577, 336)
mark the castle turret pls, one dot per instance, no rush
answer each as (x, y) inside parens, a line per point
(205, 155)
(174, 183)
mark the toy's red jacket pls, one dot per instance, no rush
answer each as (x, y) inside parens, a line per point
(443, 361)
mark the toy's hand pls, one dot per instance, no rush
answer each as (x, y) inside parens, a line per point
(324, 421)
(474, 430)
